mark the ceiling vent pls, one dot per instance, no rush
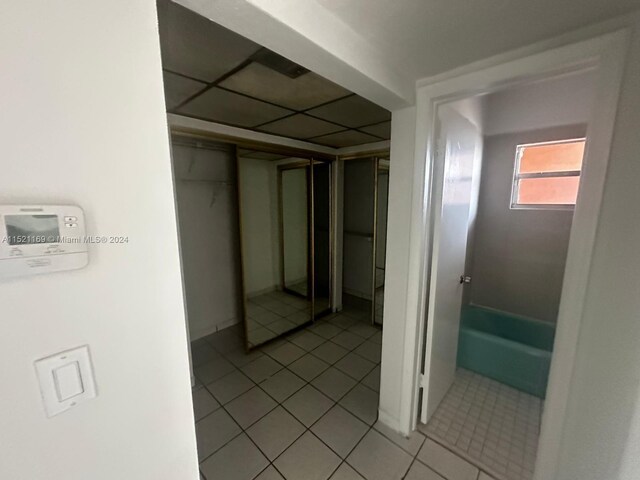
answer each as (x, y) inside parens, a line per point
(278, 63)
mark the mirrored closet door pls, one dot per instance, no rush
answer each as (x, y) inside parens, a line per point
(286, 244)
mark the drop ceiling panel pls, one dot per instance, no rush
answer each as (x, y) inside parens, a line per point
(382, 130)
(227, 107)
(177, 89)
(346, 138)
(352, 111)
(194, 46)
(300, 126)
(306, 91)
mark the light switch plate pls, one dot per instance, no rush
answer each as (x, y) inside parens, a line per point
(66, 379)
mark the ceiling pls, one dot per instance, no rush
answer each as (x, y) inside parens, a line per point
(426, 37)
(214, 74)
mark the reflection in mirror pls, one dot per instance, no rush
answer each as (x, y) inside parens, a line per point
(270, 308)
(382, 200)
(294, 214)
(321, 238)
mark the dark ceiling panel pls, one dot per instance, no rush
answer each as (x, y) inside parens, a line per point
(300, 126)
(307, 91)
(196, 47)
(199, 55)
(352, 111)
(222, 106)
(380, 129)
(346, 138)
(177, 89)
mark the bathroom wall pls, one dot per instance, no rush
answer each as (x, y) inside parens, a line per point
(518, 256)
(208, 220)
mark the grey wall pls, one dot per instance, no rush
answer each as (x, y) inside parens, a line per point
(546, 103)
(519, 255)
(358, 227)
(209, 241)
(260, 227)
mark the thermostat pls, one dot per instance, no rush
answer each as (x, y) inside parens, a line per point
(36, 239)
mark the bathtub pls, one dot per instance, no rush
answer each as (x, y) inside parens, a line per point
(510, 349)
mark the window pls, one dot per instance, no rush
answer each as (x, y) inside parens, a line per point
(547, 175)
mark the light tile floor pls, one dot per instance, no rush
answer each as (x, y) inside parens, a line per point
(305, 408)
(493, 425)
(271, 314)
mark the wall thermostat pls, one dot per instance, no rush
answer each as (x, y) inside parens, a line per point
(36, 239)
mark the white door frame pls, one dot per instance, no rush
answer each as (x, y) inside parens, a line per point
(607, 52)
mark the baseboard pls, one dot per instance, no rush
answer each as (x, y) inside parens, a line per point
(262, 291)
(357, 293)
(214, 328)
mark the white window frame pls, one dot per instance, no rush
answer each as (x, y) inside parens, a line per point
(515, 183)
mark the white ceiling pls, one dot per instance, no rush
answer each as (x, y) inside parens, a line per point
(427, 37)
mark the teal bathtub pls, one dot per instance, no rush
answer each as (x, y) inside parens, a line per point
(512, 350)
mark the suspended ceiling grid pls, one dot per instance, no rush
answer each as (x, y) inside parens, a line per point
(213, 74)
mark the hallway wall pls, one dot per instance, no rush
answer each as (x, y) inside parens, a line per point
(83, 122)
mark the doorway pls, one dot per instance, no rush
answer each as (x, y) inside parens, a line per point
(447, 314)
(364, 227)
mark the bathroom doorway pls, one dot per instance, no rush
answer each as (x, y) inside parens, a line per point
(505, 186)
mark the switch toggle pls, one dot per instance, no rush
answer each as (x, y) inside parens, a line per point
(66, 379)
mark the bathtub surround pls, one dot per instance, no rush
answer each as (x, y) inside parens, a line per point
(509, 349)
(519, 255)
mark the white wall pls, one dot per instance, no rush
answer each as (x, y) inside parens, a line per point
(83, 122)
(600, 435)
(261, 237)
(543, 104)
(209, 237)
(394, 366)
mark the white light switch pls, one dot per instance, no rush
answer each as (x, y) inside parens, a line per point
(66, 379)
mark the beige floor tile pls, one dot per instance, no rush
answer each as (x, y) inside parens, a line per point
(363, 403)
(309, 459)
(340, 430)
(377, 458)
(418, 471)
(308, 405)
(308, 367)
(203, 403)
(275, 432)
(214, 431)
(282, 385)
(240, 459)
(230, 386)
(250, 407)
(333, 383)
(445, 462)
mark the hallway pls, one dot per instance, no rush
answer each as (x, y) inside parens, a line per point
(305, 408)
